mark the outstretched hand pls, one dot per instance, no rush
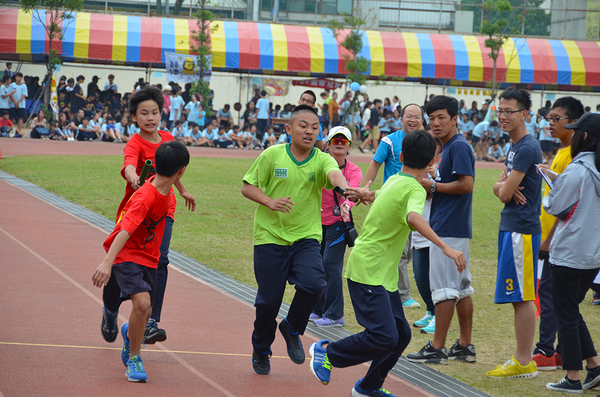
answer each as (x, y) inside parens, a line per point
(283, 204)
(190, 201)
(361, 195)
(457, 257)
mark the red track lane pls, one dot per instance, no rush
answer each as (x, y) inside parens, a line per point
(50, 342)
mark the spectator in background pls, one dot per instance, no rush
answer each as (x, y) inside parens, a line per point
(532, 126)
(92, 87)
(111, 85)
(18, 102)
(546, 140)
(166, 113)
(8, 72)
(250, 114)
(224, 117)
(396, 103)
(77, 97)
(6, 126)
(374, 123)
(262, 115)
(5, 94)
(387, 104)
(176, 107)
(334, 114)
(473, 110)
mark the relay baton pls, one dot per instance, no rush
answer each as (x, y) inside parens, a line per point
(145, 171)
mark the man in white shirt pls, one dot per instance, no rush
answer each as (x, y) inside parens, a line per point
(18, 111)
(262, 116)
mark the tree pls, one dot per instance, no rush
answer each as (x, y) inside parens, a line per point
(526, 16)
(202, 48)
(59, 13)
(356, 65)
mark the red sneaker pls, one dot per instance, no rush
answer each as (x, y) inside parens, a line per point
(558, 360)
(544, 363)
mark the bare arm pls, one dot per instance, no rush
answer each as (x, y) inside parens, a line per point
(372, 171)
(463, 185)
(319, 144)
(253, 193)
(132, 177)
(507, 186)
(102, 273)
(337, 179)
(190, 201)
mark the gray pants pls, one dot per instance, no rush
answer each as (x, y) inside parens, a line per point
(403, 279)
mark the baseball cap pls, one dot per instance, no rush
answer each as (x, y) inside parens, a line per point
(95, 78)
(589, 122)
(339, 130)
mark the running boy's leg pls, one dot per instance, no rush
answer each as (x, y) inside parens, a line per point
(111, 297)
(140, 313)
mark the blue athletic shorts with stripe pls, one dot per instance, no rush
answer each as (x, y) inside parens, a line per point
(516, 279)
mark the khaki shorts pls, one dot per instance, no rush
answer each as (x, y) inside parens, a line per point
(374, 132)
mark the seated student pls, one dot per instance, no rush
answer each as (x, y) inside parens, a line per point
(109, 131)
(269, 138)
(164, 126)
(90, 105)
(207, 137)
(495, 152)
(133, 129)
(96, 122)
(283, 138)
(256, 144)
(64, 126)
(63, 101)
(39, 126)
(6, 126)
(184, 121)
(55, 133)
(222, 140)
(85, 132)
(506, 147)
(286, 112)
(177, 130)
(246, 136)
(193, 134)
(385, 124)
(123, 128)
(235, 137)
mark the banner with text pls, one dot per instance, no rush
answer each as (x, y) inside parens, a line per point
(184, 68)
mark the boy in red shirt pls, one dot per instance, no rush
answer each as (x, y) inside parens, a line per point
(133, 249)
(145, 106)
(5, 125)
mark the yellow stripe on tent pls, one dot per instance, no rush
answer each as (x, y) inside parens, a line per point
(217, 40)
(119, 47)
(24, 33)
(576, 60)
(377, 54)
(413, 55)
(513, 65)
(280, 49)
(475, 58)
(317, 52)
(82, 35)
(182, 36)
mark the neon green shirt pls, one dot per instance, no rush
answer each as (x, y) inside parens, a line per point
(279, 174)
(374, 259)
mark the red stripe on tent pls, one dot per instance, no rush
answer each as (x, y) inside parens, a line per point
(151, 39)
(193, 28)
(342, 51)
(394, 52)
(488, 63)
(56, 43)
(8, 33)
(445, 62)
(101, 37)
(249, 45)
(298, 48)
(544, 61)
(591, 60)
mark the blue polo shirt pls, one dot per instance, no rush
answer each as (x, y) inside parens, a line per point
(388, 153)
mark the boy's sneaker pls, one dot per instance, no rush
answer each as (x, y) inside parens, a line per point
(592, 378)
(424, 322)
(126, 349)
(596, 299)
(430, 328)
(513, 369)
(313, 317)
(294, 344)
(411, 304)
(135, 370)
(261, 363)
(358, 392)
(319, 363)
(153, 334)
(466, 354)
(327, 322)
(109, 327)
(429, 355)
(566, 385)
(543, 362)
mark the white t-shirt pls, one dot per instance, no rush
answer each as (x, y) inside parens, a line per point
(21, 90)
(263, 109)
(4, 102)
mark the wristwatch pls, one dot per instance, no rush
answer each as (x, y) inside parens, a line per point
(433, 187)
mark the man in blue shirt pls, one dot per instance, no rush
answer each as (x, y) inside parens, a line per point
(388, 152)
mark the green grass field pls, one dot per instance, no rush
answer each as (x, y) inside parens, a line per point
(219, 234)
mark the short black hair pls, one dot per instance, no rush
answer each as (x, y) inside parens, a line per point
(263, 93)
(311, 93)
(441, 102)
(5, 79)
(170, 157)
(376, 101)
(18, 74)
(302, 109)
(80, 77)
(418, 148)
(4, 112)
(493, 123)
(178, 122)
(572, 106)
(148, 93)
(522, 96)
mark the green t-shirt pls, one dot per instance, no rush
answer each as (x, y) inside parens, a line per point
(279, 174)
(374, 259)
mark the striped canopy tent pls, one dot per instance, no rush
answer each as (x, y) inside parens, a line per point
(307, 51)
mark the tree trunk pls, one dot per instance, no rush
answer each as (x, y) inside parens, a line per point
(494, 80)
(159, 8)
(177, 8)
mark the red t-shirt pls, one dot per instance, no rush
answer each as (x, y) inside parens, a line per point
(5, 123)
(144, 219)
(137, 151)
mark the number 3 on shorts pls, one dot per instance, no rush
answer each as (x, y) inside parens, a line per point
(509, 284)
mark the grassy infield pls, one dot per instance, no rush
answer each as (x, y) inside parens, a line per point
(219, 234)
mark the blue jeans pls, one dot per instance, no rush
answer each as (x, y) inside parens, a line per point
(333, 248)
(421, 272)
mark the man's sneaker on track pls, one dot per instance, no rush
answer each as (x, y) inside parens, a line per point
(126, 349)
(566, 385)
(327, 322)
(543, 362)
(358, 392)
(592, 378)
(513, 369)
(424, 322)
(411, 304)
(429, 355)
(430, 328)
(153, 334)
(135, 370)
(319, 363)
(294, 344)
(261, 363)
(109, 327)
(465, 354)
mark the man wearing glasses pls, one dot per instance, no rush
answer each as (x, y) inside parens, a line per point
(309, 98)
(519, 188)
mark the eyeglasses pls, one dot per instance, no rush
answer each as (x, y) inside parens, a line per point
(340, 141)
(412, 118)
(555, 119)
(507, 112)
(307, 101)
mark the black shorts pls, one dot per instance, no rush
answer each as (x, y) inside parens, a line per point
(134, 279)
(476, 139)
(547, 146)
(18, 113)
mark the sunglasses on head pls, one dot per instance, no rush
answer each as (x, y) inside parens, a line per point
(340, 141)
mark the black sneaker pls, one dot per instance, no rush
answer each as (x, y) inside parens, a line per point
(566, 385)
(294, 344)
(261, 363)
(153, 334)
(592, 379)
(429, 355)
(466, 354)
(109, 327)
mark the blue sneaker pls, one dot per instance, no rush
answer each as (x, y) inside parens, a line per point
(319, 363)
(358, 392)
(125, 351)
(424, 322)
(411, 304)
(135, 370)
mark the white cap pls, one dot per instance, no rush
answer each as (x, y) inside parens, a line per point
(339, 130)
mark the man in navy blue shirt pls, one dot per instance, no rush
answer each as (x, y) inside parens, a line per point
(520, 189)
(451, 213)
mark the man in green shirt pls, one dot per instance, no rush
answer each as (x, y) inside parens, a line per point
(372, 272)
(287, 182)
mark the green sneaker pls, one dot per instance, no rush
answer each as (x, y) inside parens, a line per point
(430, 328)
(424, 322)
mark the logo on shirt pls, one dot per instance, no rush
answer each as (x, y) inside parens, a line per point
(511, 156)
(312, 177)
(281, 172)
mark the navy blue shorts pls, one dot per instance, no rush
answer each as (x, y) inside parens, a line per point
(547, 146)
(134, 279)
(18, 113)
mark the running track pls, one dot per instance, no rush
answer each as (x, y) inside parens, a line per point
(50, 343)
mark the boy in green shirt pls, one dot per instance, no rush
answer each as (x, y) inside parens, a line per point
(287, 236)
(372, 272)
